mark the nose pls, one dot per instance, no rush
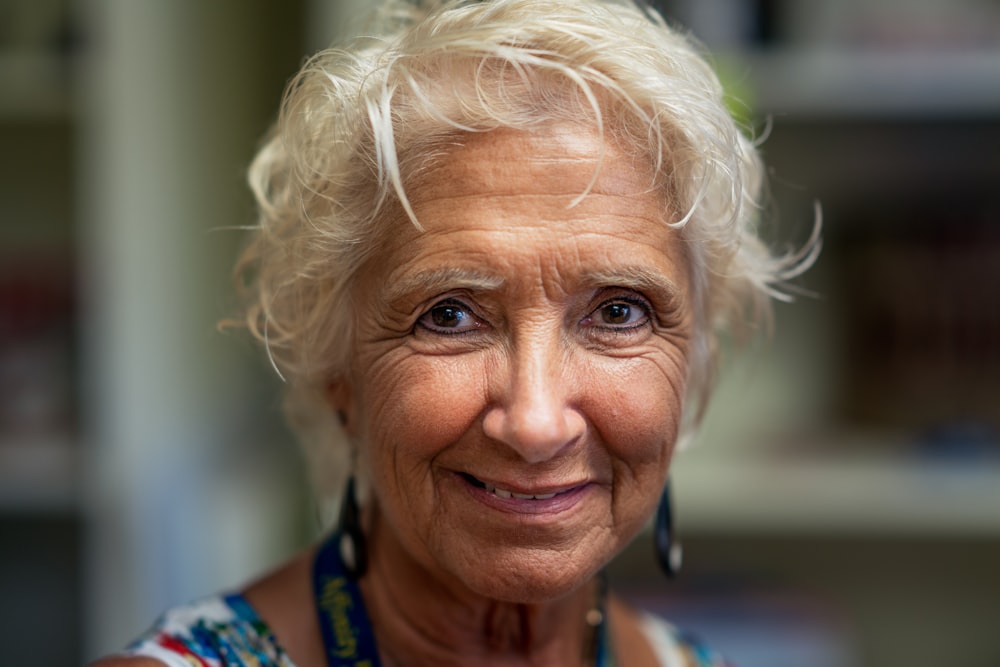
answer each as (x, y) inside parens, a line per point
(532, 410)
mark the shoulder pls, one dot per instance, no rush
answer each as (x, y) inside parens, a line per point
(264, 625)
(674, 647)
(214, 630)
(640, 638)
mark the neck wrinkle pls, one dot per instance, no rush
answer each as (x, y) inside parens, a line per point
(419, 619)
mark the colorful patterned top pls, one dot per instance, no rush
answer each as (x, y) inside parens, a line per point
(225, 631)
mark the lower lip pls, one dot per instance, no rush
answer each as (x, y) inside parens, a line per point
(557, 504)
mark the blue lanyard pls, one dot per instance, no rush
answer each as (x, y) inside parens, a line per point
(603, 656)
(347, 631)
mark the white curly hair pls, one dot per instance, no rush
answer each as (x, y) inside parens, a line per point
(360, 120)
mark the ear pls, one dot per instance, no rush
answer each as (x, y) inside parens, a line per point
(340, 398)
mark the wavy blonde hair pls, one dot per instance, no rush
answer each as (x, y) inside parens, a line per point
(359, 121)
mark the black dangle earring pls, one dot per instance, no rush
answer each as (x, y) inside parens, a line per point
(668, 550)
(353, 551)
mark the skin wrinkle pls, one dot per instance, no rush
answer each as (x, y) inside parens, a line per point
(432, 282)
(401, 292)
(543, 392)
(495, 621)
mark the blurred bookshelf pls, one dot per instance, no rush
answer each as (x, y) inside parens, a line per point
(849, 469)
(839, 83)
(41, 515)
(887, 497)
(879, 408)
(876, 407)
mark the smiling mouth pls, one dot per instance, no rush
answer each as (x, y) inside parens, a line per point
(505, 494)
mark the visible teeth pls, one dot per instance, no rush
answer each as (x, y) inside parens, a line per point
(504, 493)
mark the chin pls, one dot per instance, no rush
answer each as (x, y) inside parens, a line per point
(528, 576)
(526, 588)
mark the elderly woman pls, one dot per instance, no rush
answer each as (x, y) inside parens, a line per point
(497, 242)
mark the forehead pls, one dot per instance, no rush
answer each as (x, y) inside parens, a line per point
(562, 198)
(558, 160)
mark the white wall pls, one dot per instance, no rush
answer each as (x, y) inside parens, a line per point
(180, 500)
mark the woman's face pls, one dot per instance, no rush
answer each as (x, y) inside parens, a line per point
(520, 365)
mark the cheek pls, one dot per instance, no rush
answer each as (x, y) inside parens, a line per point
(638, 412)
(420, 405)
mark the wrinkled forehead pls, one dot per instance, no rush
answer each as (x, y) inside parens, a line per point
(547, 160)
(563, 183)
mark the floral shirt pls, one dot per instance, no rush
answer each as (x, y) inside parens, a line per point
(225, 631)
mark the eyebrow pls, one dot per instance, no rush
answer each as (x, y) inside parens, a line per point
(639, 278)
(437, 280)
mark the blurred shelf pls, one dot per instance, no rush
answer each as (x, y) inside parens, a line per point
(851, 496)
(38, 474)
(869, 83)
(35, 86)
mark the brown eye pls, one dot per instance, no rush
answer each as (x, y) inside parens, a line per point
(616, 313)
(619, 314)
(450, 317)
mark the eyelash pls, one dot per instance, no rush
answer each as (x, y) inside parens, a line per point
(590, 320)
(444, 331)
(625, 329)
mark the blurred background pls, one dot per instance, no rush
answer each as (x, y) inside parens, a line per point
(842, 506)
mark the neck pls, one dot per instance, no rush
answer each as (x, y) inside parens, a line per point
(421, 618)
